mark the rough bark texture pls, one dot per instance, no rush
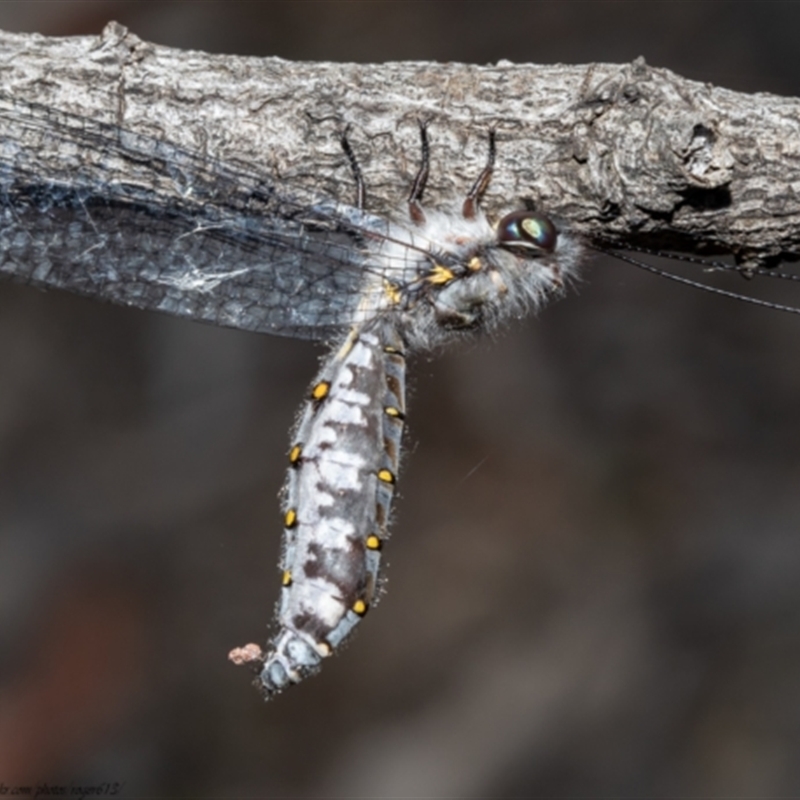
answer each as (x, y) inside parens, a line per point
(626, 153)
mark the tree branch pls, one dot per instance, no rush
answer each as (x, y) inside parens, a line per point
(626, 153)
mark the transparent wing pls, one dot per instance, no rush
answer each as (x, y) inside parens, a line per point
(100, 211)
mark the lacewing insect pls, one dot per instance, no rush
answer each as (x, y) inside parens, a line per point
(216, 243)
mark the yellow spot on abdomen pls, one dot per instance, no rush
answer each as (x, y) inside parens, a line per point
(391, 411)
(475, 264)
(286, 578)
(360, 607)
(324, 649)
(295, 453)
(290, 520)
(373, 542)
(385, 475)
(320, 391)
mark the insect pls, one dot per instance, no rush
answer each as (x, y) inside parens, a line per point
(448, 274)
(221, 244)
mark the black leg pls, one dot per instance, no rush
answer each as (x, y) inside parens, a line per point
(418, 187)
(479, 187)
(356, 169)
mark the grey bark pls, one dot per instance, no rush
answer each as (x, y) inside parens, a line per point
(624, 153)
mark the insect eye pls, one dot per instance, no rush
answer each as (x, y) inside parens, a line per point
(527, 229)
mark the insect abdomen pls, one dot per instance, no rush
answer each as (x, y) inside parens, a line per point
(344, 462)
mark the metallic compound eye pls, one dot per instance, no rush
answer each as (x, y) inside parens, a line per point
(527, 229)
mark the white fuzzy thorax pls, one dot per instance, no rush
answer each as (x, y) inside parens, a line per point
(508, 284)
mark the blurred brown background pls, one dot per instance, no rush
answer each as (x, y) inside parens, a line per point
(594, 577)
